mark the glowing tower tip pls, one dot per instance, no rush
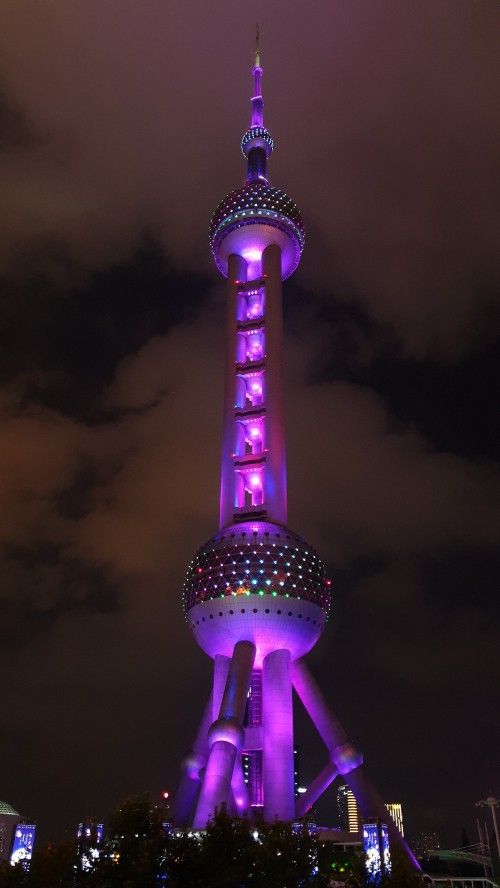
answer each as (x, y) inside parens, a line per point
(257, 46)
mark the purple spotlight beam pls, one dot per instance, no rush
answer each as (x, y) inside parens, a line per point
(256, 597)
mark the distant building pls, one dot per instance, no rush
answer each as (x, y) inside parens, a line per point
(349, 814)
(425, 842)
(396, 811)
(9, 818)
(350, 819)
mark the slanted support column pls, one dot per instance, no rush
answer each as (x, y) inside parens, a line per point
(343, 754)
(226, 735)
(326, 723)
(221, 670)
(315, 789)
(191, 766)
(371, 804)
(277, 726)
(236, 271)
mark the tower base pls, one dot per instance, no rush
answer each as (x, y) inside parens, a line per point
(264, 726)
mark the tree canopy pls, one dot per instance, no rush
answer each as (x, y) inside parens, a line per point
(141, 850)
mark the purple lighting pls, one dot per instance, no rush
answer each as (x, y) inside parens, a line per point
(256, 597)
(251, 218)
(253, 255)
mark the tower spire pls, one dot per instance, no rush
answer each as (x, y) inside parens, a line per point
(257, 101)
(257, 143)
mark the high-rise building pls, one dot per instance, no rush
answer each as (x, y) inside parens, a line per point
(256, 596)
(395, 809)
(349, 817)
(425, 842)
(9, 818)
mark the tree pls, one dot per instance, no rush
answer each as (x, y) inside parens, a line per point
(284, 857)
(135, 850)
(335, 861)
(402, 875)
(226, 851)
(54, 865)
(13, 876)
(141, 850)
(184, 864)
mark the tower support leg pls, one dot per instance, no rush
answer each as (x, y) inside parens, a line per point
(344, 755)
(315, 789)
(221, 669)
(226, 735)
(277, 726)
(191, 766)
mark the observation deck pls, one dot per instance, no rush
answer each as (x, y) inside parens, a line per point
(249, 219)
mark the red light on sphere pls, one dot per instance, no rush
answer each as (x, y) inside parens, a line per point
(165, 794)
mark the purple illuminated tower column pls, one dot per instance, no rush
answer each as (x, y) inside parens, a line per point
(256, 596)
(257, 237)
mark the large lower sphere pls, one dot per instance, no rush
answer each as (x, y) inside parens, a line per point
(259, 582)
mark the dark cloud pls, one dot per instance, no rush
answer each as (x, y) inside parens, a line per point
(120, 125)
(41, 584)
(15, 132)
(74, 338)
(452, 405)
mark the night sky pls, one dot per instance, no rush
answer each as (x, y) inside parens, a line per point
(120, 124)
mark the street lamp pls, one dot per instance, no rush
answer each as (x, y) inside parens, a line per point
(491, 803)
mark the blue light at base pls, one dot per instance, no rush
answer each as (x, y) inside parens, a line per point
(377, 850)
(386, 850)
(22, 848)
(89, 838)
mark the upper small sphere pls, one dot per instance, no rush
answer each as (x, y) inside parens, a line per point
(251, 218)
(257, 137)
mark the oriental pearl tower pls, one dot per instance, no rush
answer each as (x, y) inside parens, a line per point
(256, 596)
